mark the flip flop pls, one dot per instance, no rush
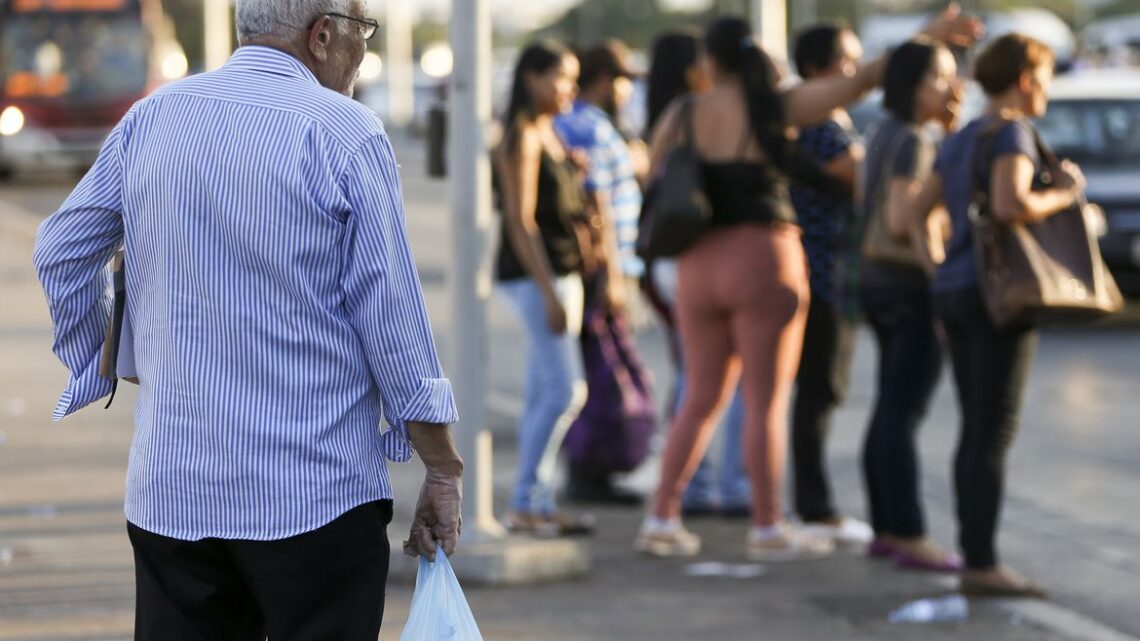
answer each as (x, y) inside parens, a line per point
(979, 589)
(880, 549)
(952, 564)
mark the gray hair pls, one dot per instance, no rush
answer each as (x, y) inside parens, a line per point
(255, 18)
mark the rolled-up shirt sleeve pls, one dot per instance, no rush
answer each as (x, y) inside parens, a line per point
(73, 247)
(385, 301)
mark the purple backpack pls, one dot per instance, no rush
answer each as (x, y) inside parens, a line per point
(614, 430)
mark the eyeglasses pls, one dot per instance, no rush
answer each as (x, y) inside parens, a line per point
(367, 26)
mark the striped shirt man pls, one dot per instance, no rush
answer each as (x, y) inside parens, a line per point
(276, 308)
(610, 174)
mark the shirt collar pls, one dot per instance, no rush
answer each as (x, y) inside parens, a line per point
(584, 106)
(270, 60)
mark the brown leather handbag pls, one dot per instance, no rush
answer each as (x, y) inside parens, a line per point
(1047, 272)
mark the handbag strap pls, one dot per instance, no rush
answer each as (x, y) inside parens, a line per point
(686, 117)
(886, 167)
(887, 172)
(980, 187)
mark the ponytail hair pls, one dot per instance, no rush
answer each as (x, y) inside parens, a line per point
(730, 43)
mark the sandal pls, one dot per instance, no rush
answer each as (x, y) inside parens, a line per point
(1009, 586)
(791, 544)
(666, 540)
(521, 523)
(559, 525)
(924, 555)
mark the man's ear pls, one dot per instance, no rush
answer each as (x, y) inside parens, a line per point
(319, 38)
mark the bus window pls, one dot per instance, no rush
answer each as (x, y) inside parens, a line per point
(96, 56)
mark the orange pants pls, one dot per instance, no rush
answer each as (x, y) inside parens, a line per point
(742, 305)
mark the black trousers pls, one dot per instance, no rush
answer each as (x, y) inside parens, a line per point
(821, 386)
(325, 585)
(910, 364)
(991, 367)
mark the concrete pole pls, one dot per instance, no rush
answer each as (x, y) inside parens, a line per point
(399, 62)
(469, 282)
(770, 23)
(217, 28)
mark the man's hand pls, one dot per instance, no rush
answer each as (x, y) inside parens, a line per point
(437, 519)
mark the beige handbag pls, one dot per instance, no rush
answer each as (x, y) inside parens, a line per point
(879, 245)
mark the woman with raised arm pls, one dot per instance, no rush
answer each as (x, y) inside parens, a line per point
(743, 285)
(677, 69)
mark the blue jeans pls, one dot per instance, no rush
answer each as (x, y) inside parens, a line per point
(734, 487)
(555, 388)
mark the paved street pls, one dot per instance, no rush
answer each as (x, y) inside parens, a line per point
(1072, 519)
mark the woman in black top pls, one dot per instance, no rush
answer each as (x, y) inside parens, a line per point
(743, 287)
(539, 263)
(677, 70)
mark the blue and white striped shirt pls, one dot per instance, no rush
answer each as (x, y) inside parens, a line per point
(276, 308)
(611, 174)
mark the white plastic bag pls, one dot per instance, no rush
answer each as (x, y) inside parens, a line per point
(439, 609)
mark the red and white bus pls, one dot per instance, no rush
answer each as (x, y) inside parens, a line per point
(70, 69)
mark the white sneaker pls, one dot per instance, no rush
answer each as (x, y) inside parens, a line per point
(791, 544)
(849, 534)
(666, 539)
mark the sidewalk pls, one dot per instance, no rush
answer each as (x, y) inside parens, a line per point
(636, 598)
(66, 572)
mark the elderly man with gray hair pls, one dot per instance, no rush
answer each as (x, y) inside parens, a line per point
(277, 319)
